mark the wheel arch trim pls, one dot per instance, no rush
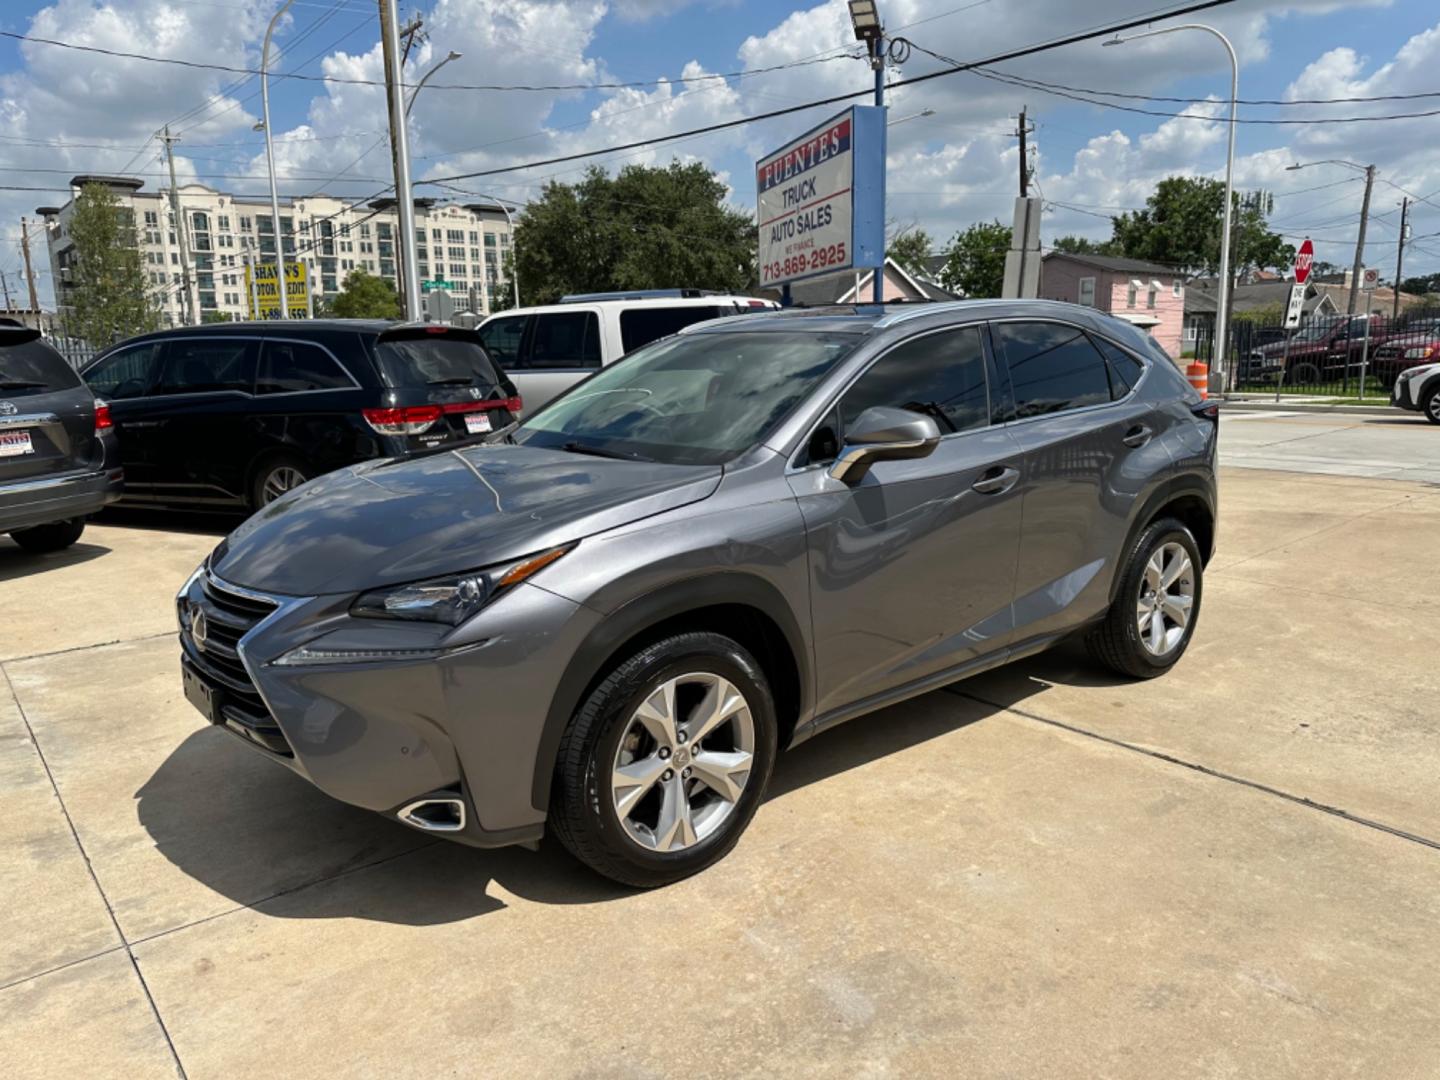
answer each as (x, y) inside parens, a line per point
(643, 613)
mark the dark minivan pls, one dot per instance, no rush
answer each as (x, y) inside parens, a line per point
(58, 461)
(237, 414)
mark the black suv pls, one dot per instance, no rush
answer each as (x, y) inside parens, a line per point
(58, 461)
(237, 414)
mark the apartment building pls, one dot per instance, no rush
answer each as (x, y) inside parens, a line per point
(463, 244)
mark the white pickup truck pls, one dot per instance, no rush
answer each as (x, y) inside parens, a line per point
(547, 349)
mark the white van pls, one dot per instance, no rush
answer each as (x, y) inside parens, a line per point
(547, 349)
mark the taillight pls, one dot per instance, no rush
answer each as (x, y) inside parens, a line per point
(1209, 409)
(102, 418)
(410, 420)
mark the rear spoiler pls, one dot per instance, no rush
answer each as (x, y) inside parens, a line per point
(419, 331)
(16, 333)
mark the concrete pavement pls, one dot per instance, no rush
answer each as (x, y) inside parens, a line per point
(1233, 870)
(1384, 444)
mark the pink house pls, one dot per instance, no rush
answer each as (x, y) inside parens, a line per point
(1144, 293)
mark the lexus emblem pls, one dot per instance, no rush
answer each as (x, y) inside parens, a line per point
(198, 628)
(8, 408)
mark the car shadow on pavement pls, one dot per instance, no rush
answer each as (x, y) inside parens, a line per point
(16, 562)
(252, 831)
(182, 521)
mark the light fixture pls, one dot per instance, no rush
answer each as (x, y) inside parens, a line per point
(259, 125)
(866, 19)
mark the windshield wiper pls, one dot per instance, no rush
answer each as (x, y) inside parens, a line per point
(19, 384)
(600, 451)
(451, 382)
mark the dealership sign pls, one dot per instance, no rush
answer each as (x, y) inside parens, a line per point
(822, 199)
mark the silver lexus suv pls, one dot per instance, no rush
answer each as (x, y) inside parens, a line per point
(606, 622)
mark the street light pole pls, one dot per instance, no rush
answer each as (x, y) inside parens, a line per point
(426, 78)
(865, 17)
(404, 201)
(270, 160)
(1222, 313)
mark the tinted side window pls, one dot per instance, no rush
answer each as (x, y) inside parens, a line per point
(125, 374)
(941, 375)
(290, 366)
(207, 365)
(642, 325)
(1125, 370)
(503, 337)
(1053, 367)
(564, 340)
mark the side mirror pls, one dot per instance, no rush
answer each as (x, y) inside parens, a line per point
(883, 434)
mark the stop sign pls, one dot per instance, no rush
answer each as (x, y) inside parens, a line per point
(1303, 258)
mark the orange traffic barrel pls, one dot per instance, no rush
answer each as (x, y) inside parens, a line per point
(1199, 376)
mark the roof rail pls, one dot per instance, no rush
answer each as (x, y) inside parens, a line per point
(640, 294)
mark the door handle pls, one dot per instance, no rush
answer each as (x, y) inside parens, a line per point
(1137, 436)
(996, 481)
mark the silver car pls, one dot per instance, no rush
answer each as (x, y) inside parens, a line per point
(606, 622)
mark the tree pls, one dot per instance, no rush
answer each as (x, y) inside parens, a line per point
(1422, 285)
(1079, 245)
(1181, 224)
(107, 296)
(365, 296)
(975, 260)
(910, 248)
(645, 228)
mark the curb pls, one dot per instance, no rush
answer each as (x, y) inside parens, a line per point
(1346, 410)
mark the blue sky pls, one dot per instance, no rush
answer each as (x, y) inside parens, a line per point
(946, 171)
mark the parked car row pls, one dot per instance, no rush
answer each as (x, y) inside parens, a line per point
(1332, 348)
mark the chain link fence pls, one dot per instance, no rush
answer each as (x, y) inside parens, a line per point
(1350, 356)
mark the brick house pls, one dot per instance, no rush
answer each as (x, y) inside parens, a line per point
(1144, 293)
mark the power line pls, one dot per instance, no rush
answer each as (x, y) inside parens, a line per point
(1013, 54)
(538, 87)
(1037, 83)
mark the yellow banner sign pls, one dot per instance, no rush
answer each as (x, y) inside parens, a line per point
(261, 291)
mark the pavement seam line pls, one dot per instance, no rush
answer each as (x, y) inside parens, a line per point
(82, 648)
(60, 967)
(90, 869)
(254, 904)
(1387, 604)
(1171, 759)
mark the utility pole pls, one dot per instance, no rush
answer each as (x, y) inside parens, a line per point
(1360, 240)
(1399, 259)
(400, 148)
(187, 305)
(5, 284)
(1022, 130)
(30, 270)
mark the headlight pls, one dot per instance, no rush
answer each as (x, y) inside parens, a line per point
(1420, 352)
(450, 600)
(1407, 374)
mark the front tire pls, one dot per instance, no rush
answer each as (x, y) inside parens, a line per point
(42, 539)
(666, 762)
(1153, 616)
(1431, 406)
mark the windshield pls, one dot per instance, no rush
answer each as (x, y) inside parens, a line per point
(696, 399)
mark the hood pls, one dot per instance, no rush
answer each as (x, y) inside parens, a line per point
(389, 522)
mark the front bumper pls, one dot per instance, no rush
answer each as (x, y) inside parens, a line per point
(465, 723)
(1400, 396)
(46, 499)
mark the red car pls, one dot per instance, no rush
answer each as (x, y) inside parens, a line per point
(1417, 343)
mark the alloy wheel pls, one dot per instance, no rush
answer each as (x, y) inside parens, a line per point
(1433, 407)
(683, 762)
(280, 481)
(1167, 597)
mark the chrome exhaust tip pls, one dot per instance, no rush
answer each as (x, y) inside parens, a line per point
(434, 815)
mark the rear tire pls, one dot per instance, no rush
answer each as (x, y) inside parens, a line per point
(56, 536)
(276, 477)
(666, 824)
(1304, 373)
(1130, 641)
